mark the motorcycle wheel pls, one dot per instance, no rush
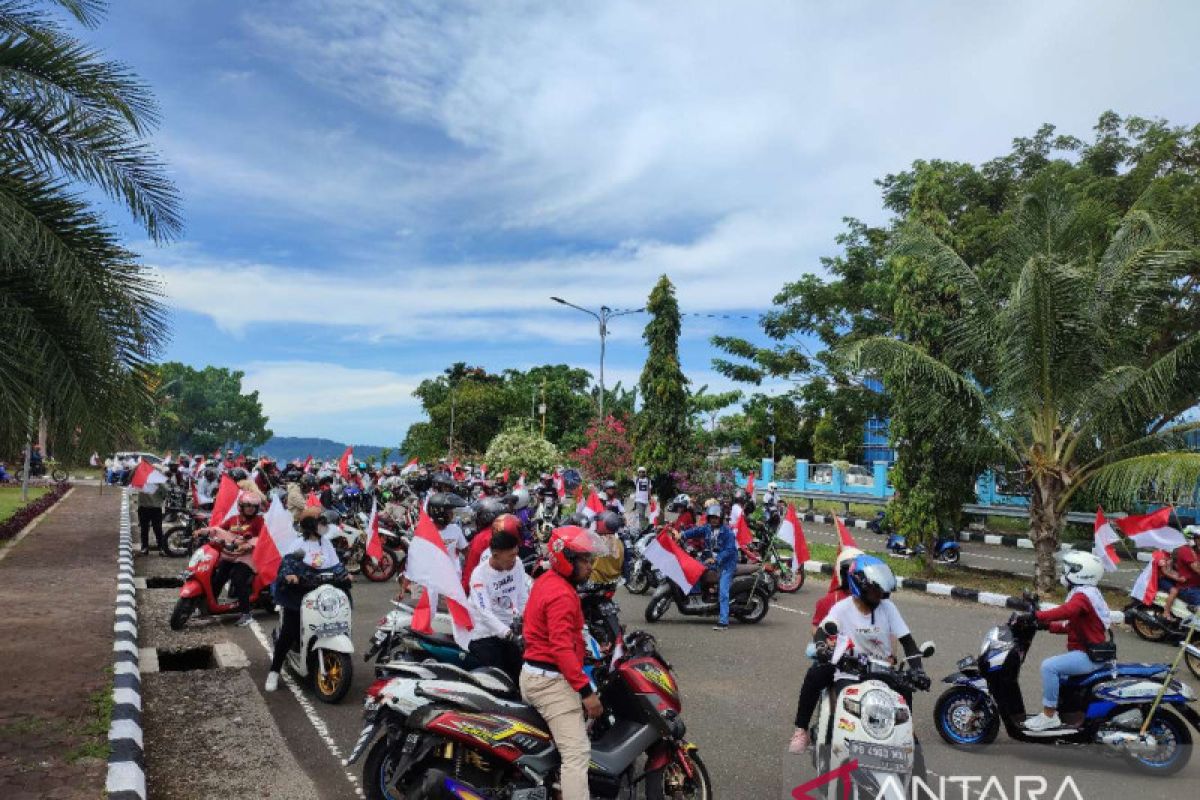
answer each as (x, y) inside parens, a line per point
(377, 769)
(184, 607)
(176, 542)
(382, 570)
(1193, 663)
(790, 582)
(677, 784)
(951, 556)
(657, 606)
(1173, 755)
(1148, 631)
(952, 717)
(639, 582)
(755, 608)
(339, 673)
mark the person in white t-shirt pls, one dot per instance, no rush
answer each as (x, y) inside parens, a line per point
(497, 596)
(641, 496)
(441, 508)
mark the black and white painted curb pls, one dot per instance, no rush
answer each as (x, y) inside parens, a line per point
(823, 519)
(1025, 543)
(957, 592)
(126, 767)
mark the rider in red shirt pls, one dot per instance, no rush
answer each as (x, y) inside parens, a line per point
(552, 679)
(237, 565)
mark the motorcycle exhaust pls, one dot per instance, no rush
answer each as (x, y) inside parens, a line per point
(1128, 741)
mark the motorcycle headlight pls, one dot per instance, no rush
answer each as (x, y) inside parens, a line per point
(878, 714)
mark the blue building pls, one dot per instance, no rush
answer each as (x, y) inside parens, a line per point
(875, 433)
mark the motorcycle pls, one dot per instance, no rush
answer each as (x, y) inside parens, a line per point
(1133, 710)
(749, 596)
(197, 593)
(945, 550)
(179, 528)
(868, 721)
(777, 559)
(351, 546)
(642, 575)
(1149, 621)
(323, 656)
(879, 524)
(450, 733)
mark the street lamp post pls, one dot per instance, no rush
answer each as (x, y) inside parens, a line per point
(603, 317)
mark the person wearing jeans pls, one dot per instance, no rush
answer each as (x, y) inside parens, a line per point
(722, 542)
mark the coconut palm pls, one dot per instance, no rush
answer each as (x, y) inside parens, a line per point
(1054, 357)
(79, 315)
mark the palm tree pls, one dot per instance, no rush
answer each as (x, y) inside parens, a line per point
(1053, 356)
(80, 317)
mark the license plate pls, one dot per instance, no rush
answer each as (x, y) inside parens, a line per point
(364, 738)
(881, 756)
(332, 628)
(531, 794)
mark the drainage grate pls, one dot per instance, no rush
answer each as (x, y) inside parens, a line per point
(193, 658)
(170, 582)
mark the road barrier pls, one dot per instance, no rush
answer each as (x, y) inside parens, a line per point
(126, 761)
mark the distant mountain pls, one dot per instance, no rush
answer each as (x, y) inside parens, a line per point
(287, 448)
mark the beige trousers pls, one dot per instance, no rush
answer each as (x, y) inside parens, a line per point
(562, 709)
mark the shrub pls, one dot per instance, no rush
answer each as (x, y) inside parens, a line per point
(31, 511)
(520, 451)
(785, 470)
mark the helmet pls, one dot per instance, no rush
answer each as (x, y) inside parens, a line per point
(442, 505)
(308, 482)
(610, 486)
(520, 499)
(871, 580)
(713, 510)
(1080, 568)
(507, 523)
(249, 499)
(567, 545)
(486, 512)
(545, 477)
(844, 559)
(609, 522)
(463, 515)
(238, 474)
(210, 474)
(1191, 532)
(772, 486)
(679, 502)
(739, 495)
(443, 480)
(578, 519)
(331, 517)
(641, 470)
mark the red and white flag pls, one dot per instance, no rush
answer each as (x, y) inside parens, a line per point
(594, 506)
(792, 532)
(307, 464)
(312, 500)
(1106, 539)
(431, 567)
(521, 481)
(504, 476)
(1152, 531)
(344, 463)
(844, 537)
(668, 558)
(1145, 588)
(278, 535)
(654, 510)
(750, 485)
(742, 529)
(146, 477)
(411, 466)
(483, 471)
(579, 497)
(374, 543)
(735, 515)
(225, 503)
(560, 486)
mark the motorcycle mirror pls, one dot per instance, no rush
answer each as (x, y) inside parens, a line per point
(927, 649)
(830, 627)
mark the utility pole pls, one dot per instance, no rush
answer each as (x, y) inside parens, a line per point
(450, 457)
(602, 318)
(542, 408)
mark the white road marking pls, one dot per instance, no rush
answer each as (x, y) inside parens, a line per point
(310, 711)
(789, 610)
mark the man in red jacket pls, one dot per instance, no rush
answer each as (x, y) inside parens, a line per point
(552, 679)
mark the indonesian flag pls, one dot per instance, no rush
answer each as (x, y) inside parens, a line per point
(560, 486)
(374, 543)
(654, 509)
(521, 481)
(483, 471)
(411, 466)
(217, 454)
(1152, 531)
(225, 503)
(1106, 537)
(844, 537)
(312, 500)
(744, 536)
(269, 548)
(579, 497)
(146, 477)
(344, 463)
(594, 506)
(1145, 588)
(792, 532)
(307, 464)
(504, 476)
(668, 558)
(750, 485)
(429, 565)
(735, 515)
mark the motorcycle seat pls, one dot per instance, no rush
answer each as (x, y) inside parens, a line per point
(1123, 670)
(439, 639)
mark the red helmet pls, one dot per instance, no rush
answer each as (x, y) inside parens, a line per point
(566, 545)
(507, 523)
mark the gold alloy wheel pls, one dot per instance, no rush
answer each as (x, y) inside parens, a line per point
(329, 679)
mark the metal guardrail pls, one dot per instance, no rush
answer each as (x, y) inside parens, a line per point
(971, 508)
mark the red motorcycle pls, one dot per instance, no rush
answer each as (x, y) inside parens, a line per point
(197, 593)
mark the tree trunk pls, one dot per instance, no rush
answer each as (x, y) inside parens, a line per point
(1046, 527)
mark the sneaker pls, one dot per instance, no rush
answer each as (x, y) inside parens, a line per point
(244, 620)
(1043, 723)
(272, 681)
(720, 627)
(799, 742)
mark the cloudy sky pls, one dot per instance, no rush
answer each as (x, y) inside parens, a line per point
(375, 189)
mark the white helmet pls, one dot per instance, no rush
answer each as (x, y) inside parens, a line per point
(1080, 568)
(847, 555)
(1191, 532)
(772, 486)
(522, 497)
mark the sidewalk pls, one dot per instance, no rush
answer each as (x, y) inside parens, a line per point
(57, 592)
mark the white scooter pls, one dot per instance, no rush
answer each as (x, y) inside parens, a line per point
(323, 657)
(865, 732)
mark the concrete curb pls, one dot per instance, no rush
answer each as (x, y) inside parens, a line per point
(126, 764)
(822, 519)
(1025, 543)
(957, 592)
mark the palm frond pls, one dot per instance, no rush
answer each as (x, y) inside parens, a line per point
(1169, 477)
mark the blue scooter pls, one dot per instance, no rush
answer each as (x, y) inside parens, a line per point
(945, 549)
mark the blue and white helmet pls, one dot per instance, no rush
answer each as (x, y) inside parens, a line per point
(869, 573)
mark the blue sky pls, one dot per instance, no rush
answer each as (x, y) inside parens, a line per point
(375, 189)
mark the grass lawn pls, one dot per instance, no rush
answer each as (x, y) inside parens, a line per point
(10, 498)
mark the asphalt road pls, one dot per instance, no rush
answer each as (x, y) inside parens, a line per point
(739, 698)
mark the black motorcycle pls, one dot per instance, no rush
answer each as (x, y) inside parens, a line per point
(749, 596)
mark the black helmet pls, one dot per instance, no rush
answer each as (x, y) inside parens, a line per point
(442, 482)
(609, 522)
(210, 473)
(331, 516)
(441, 506)
(486, 511)
(238, 474)
(308, 482)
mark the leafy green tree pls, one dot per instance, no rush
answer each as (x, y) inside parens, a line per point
(1052, 362)
(662, 430)
(521, 450)
(198, 411)
(80, 318)
(565, 390)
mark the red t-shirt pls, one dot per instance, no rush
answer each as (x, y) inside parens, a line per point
(1186, 566)
(481, 542)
